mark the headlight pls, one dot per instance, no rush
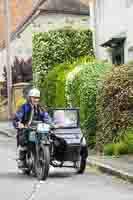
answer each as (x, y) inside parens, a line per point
(43, 128)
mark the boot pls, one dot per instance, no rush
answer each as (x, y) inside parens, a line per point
(21, 157)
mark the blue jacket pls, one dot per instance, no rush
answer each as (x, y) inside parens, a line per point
(24, 113)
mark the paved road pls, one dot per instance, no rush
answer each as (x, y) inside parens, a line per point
(61, 185)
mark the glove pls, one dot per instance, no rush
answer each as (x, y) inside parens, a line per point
(20, 125)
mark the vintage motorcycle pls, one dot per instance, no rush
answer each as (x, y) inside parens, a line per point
(55, 144)
(37, 154)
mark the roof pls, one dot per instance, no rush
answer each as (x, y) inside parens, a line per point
(114, 42)
(70, 6)
(22, 12)
(19, 9)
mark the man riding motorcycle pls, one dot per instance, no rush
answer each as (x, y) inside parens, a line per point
(30, 111)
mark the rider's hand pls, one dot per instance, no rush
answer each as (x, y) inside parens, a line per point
(20, 125)
(27, 126)
(59, 126)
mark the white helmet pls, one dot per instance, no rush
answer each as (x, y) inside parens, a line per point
(34, 93)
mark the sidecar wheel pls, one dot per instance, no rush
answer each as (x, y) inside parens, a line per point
(80, 166)
(43, 162)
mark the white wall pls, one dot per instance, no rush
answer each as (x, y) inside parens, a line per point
(130, 32)
(114, 18)
(22, 47)
(56, 21)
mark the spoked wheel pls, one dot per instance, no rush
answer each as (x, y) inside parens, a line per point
(30, 164)
(80, 165)
(43, 162)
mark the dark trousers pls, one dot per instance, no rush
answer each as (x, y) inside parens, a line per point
(22, 140)
(22, 137)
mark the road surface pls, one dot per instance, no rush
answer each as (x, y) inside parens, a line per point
(62, 184)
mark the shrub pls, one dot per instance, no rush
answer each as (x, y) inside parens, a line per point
(128, 139)
(109, 149)
(53, 86)
(114, 105)
(124, 146)
(120, 148)
(116, 149)
(59, 46)
(81, 90)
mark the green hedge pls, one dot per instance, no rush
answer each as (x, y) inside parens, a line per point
(116, 149)
(124, 146)
(81, 90)
(59, 46)
(115, 105)
(53, 85)
(75, 85)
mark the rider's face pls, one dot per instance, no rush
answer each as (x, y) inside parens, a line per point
(35, 100)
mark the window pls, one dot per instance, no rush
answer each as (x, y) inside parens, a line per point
(66, 118)
(129, 3)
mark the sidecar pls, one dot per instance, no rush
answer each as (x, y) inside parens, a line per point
(69, 144)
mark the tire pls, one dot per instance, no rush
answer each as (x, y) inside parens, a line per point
(80, 166)
(26, 171)
(33, 161)
(30, 163)
(43, 162)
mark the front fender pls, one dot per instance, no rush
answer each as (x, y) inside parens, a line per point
(45, 142)
(84, 152)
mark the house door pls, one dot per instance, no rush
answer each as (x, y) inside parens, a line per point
(118, 55)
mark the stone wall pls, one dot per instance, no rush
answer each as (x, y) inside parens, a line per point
(19, 92)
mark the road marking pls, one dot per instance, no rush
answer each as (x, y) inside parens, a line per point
(36, 188)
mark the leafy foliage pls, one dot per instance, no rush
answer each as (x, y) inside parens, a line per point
(59, 46)
(21, 72)
(109, 149)
(124, 146)
(128, 139)
(115, 105)
(116, 149)
(53, 86)
(81, 90)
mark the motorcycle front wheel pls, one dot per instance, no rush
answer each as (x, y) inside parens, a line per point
(30, 163)
(43, 162)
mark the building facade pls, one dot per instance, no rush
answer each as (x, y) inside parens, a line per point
(114, 30)
(52, 14)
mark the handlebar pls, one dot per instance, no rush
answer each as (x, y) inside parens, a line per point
(34, 124)
(27, 128)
